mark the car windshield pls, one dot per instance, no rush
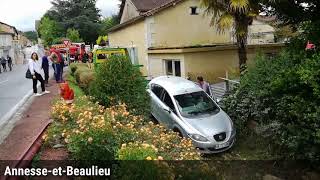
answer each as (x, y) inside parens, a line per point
(195, 104)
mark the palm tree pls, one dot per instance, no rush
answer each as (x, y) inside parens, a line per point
(236, 14)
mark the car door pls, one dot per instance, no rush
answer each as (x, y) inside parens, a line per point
(156, 94)
(170, 117)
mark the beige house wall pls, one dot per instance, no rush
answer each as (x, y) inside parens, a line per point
(175, 26)
(129, 12)
(157, 63)
(132, 36)
(260, 33)
(210, 64)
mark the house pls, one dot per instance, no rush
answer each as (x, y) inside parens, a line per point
(11, 43)
(174, 37)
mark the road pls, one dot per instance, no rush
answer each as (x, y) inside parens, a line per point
(13, 87)
(14, 91)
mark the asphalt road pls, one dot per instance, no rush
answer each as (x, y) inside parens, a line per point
(14, 87)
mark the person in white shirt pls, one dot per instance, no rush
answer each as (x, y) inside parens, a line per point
(35, 69)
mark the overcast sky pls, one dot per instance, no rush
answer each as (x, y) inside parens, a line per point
(23, 13)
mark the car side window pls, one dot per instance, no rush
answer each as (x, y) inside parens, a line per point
(168, 101)
(157, 90)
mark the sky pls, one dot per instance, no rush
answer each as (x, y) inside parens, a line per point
(23, 13)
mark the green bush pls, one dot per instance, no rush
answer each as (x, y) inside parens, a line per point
(118, 80)
(73, 68)
(136, 152)
(93, 145)
(285, 91)
(83, 76)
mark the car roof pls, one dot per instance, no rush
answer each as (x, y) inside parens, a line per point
(176, 85)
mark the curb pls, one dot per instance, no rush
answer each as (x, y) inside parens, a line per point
(13, 110)
(8, 116)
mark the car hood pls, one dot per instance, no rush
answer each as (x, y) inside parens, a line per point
(213, 124)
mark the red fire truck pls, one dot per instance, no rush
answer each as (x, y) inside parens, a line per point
(72, 51)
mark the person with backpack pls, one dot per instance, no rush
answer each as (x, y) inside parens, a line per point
(34, 68)
(9, 59)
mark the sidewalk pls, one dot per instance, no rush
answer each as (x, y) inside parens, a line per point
(26, 130)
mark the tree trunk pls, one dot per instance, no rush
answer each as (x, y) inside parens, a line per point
(242, 53)
(242, 24)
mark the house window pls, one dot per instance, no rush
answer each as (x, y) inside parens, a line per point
(194, 10)
(173, 67)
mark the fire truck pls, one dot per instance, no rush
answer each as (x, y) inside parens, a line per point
(72, 51)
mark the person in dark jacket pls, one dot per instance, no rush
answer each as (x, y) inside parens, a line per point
(9, 59)
(45, 67)
(4, 64)
(61, 66)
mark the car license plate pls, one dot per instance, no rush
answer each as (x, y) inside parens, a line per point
(219, 146)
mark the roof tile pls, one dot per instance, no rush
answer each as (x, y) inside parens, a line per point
(146, 5)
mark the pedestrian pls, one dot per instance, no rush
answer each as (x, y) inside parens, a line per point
(34, 67)
(45, 67)
(90, 60)
(204, 85)
(61, 66)
(9, 59)
(4, 64)
(85, 58)
(56, 60)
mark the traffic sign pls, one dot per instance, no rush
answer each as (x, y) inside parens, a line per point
(66, 42)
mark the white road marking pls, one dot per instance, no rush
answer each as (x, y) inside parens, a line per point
(4, 81)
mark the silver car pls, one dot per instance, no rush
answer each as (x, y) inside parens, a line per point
(183, 106)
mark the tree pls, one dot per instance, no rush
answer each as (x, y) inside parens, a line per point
(301, 15)
(108, 23)
(50, 31)
(77, 14)
(236, 14)
(294, 12)
(102, 40)
(73, 35)
(31, 35)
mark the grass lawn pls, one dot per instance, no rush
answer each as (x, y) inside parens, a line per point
(247, 147)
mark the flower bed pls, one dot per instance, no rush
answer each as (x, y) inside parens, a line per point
(89, 129)
(95, 134)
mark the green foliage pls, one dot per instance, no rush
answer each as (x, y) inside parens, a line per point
(77, 14)
(136, 152)
(78, 92)
(94, 145)
(117, 80)
(83, 76)
(50, 31)
(31, 35)
(102, 40)
(73, 67)
(73, 35)
(108, 23)
(284, 91)
(293, 12)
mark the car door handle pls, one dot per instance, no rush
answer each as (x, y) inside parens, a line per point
(167, 109)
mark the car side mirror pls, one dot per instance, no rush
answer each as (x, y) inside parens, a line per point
(167, 109)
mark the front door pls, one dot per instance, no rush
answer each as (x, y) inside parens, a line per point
(171, 117)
